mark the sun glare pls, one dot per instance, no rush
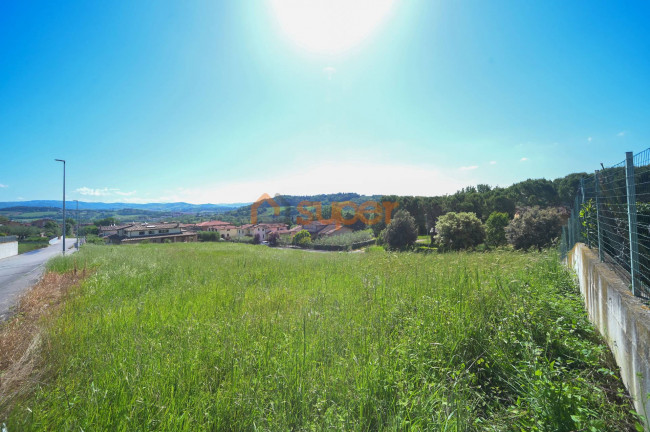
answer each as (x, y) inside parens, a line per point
(330, 26)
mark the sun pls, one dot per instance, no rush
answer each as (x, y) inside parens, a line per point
(330, 26)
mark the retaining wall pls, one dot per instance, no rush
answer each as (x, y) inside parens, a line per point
(8, 249)
(622, 319)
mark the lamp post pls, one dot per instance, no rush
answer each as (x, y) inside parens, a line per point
(77, 230)
(63, 229)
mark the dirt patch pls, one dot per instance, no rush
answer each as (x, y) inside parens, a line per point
(20, 337)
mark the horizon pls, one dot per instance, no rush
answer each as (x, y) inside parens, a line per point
(164, 103)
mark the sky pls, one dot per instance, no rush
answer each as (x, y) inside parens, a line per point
(218, 102)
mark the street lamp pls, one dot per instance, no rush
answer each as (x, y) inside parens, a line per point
(77, 230)
(63, 229)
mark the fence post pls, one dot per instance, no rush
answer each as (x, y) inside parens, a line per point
(570, 229)
(600, 233)
(582, 193)
(631, 220)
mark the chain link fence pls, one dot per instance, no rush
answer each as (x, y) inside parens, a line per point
(611, 213)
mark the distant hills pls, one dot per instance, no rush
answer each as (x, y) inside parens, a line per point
(182, 207)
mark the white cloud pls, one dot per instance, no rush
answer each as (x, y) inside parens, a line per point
(621, 133)
(468, 168)
(329, 71)
(363, 178)
(523, 159)
(3, 185)
(117, 192)
(493, 162)
(589, 139)
(102, 192)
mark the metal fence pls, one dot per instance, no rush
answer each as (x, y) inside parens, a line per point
(611, 213)
(8, 239)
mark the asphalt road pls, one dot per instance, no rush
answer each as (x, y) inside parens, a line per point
(20, 272)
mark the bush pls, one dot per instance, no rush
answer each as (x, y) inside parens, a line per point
(534, 228)
(495, 234)
(257, 239)
(302, 238)
(206, 236)
(304, 242)
(401, 232)
(274, 238)
(458, 231)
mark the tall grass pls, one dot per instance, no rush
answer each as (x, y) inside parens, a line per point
(347, 239)
(187, 337)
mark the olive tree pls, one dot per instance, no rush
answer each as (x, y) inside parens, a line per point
(401, 232)
(459, 231)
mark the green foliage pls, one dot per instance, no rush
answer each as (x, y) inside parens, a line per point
(273, 238)
(302, 238)
(458, 231)
(535, 228)
(107, 221)
(92, 229)
(589, 222)
(20, 231)
(207, 336)
(94, 239)
(347, 239)
(401, 232)
(208, 236)
(495, 234)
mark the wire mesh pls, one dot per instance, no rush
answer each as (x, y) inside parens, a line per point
(605, 219)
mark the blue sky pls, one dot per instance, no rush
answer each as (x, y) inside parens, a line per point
(209, 101)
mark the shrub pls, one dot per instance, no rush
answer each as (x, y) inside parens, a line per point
(208, 236)
(304, 242)
(534, 228)
(302, 238)
(257, 239)
(274, 238)
(401, 232)
(458, 231)
(495, 234)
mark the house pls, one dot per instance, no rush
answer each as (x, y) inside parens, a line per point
(153, 233)
(319, 229)
(229, 232)
(40, 223)
(210, 225)
(105, 231)
(247, 229)
(264, 229)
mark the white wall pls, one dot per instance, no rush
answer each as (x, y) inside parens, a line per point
(623, 320)
(8, 249)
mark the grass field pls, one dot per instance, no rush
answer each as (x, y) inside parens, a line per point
(30, 246)
(210, 336)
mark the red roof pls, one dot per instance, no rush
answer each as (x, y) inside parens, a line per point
(212, 223)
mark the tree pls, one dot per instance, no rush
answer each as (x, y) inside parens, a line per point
(106, 221)
(401, 232)
(257, 239)
(274, 238)
(302, 238)
(495, 234)
(458, 231)
(534, 228)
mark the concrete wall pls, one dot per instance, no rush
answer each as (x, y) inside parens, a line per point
(622, 319)
(8, 249)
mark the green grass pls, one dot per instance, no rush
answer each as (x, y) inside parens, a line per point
(347, 239)
(209, 336)
(28, 246)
